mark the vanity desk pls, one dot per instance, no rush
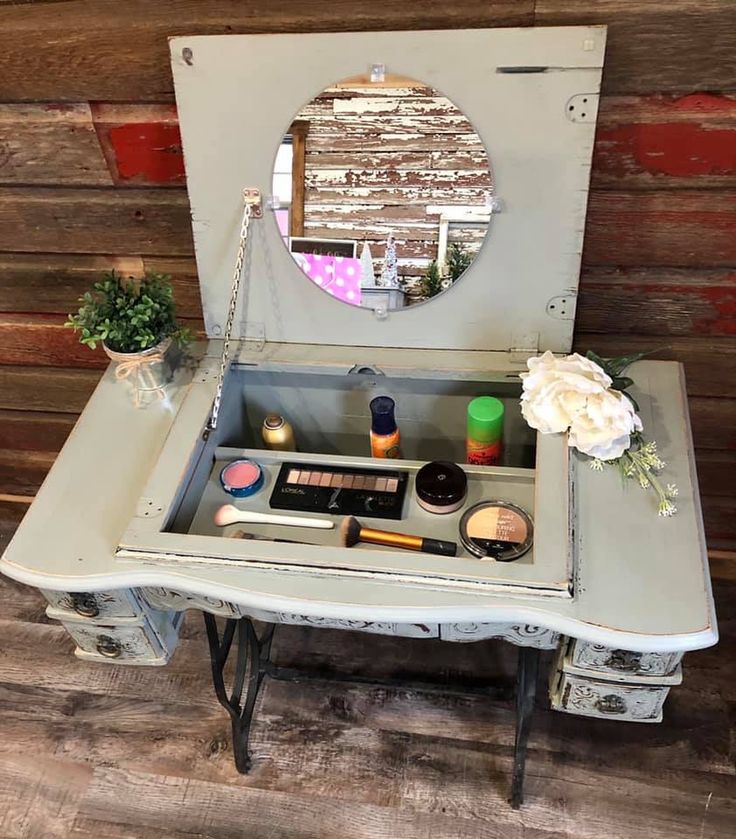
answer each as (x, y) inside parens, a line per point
(121, 539)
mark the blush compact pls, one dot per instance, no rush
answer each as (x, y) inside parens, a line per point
(496, 530)
(242, 478)
(441, 487)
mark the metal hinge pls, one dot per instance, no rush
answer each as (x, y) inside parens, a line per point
(562, 307)
(523, 345)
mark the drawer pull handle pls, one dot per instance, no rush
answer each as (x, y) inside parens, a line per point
(625, 660)
(109, 647)
(85, 604)
(611, 704)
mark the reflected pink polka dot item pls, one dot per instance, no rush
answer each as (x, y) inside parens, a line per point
(338, 275)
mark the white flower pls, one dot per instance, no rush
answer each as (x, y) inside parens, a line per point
(556, 389)
(603, 425)
(666, 509)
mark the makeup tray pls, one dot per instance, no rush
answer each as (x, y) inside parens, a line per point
(318, 361)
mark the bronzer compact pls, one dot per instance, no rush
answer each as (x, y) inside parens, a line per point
(328, 282)
(496, 530)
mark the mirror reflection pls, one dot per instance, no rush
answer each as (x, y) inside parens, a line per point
(384, 190)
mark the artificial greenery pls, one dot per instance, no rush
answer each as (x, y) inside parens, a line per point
(458, 261)
(431, 281)
(640, 461)
(128, 315)
(614, 367)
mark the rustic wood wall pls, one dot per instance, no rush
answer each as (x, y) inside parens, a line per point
(91, 175)
(378, 158)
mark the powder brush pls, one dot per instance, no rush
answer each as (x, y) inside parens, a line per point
(352, 532)
(228, 514)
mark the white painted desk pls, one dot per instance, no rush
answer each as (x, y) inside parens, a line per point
(642, 589)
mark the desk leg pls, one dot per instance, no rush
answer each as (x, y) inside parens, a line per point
(526, 688)
(251, 662)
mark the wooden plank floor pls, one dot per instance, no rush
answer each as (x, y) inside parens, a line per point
(96, 751)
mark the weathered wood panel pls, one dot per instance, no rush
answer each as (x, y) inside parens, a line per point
(718, 516)
(98, 51)
(23, 472)
(680, 45)
(44, 340)
(77, 53)
(51, 144)
(650, 142)
(660, 301)
(713, 423)
(53, 283)
(710, 363)
(678, 227)
(716, 470)
(50, 389)
(148, 221)
(34, 431)
(642, 142)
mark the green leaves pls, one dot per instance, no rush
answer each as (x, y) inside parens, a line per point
(432, 281)
(129, 316)
(613, 367)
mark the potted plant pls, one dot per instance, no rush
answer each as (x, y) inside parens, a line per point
(135, 322)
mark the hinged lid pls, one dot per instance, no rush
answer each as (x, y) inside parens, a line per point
(521, 89)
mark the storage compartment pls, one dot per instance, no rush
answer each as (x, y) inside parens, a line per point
(331, 419)
(329, 411)
(330, 414)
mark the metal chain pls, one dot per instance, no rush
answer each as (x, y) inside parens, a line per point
(234, 291)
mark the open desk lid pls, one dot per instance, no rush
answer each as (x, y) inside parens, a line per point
(531, 95)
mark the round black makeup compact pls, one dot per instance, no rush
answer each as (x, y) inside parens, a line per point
(441, 487)
(497, 530)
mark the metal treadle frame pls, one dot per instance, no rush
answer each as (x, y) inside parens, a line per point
(253, 663)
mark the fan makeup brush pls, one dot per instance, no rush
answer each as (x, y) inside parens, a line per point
(352, 532)
(228, 514)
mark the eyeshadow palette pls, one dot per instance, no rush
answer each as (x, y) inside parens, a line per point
(338, 491)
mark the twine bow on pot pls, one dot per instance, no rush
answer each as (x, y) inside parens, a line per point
(148, 369)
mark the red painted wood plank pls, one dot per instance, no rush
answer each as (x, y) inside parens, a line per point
(654, 301)
(651, 141)
(141, 143)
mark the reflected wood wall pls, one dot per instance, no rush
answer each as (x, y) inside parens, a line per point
(382, 159)
(91, 176)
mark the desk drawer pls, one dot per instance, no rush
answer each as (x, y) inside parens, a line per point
(608, 700)
(116, 643)
(594, 657)
(95, 604)
(146, 639)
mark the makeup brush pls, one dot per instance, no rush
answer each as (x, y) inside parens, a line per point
(352, 532)
(227, 514)
(242, 534)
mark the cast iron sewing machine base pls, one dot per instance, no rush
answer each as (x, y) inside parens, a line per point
(253, 663)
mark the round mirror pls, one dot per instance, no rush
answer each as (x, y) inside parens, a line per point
(383, 191)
